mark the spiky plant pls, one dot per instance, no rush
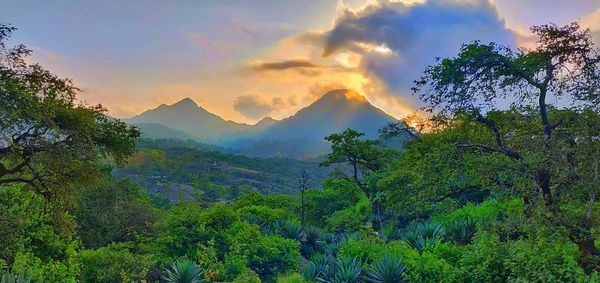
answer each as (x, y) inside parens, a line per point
(313, 241)
(345, 270)
(462, 231)
(184, 271)
(389, 269)
(291, 230)
(318, 266)
(422, 235)
(18, 278)
(344, 238)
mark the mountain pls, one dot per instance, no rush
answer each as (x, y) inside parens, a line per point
(300, 136)
(265, 123)
(188, 117)
(334, 112)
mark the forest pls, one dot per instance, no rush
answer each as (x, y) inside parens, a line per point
(498, 184)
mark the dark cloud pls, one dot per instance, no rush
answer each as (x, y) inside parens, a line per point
(252, 106)
(256, 106)
(283, 65)
(415, 35)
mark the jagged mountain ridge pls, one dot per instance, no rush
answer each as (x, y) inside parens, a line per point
(334, 112)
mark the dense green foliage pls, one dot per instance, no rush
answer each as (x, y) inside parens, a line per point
(180, 169)
(479, 197)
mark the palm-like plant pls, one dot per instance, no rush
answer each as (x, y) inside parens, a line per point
(318, 267)
(291, 230)
(422, 235)
(184, 271)
(387, 270)
(17, 278)
(462, 230)
(12, 278)
(313, 241)
(345, 270)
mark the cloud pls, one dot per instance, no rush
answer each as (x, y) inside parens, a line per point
(283, 65)
(396, 41)
(252, 106)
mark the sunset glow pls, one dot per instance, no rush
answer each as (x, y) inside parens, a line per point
(131, 59)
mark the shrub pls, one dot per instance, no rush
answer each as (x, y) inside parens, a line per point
(247, 277)
(318, 266)
(345, 269)
(313, 242)
(389, 269)
(461, 231)
(366, 250)
(112, 263)
(184, 271)
(291, 278)
(274, 255)
(17, 278)
(422, 235)
(543, 261)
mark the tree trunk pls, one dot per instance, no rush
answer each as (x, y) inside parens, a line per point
(377, 211)
(590, 255)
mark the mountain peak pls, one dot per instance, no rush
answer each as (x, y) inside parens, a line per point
(266, 120)
(343, 94)
(186, 102)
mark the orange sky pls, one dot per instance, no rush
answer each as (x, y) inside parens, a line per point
(244, 59)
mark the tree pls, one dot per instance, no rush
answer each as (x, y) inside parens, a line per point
(544, 143)
(47, 139)
(303, 184)
(364, 157)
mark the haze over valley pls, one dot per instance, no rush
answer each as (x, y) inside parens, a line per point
(295, 141)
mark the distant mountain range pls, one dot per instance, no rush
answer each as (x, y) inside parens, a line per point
(298, 136)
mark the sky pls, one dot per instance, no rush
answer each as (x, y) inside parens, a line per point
(247, 59)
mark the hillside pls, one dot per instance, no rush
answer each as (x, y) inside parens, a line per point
(177, 169)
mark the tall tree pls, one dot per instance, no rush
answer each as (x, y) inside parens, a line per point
(364, 157)
(47, 139)
(563, 68)
(303, 185)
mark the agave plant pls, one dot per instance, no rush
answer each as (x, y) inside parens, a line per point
(389, 269)
(313, 241)
(291, 230)
(344, 238)
(345, 270)
(462, 231)
(13, 278)
(318, 267)
(184, 271)
(422, 235)
(17, 278)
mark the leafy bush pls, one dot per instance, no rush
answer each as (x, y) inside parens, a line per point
(389, 269)
(274, 255)
(184, 271)
(366, 250)
(543, 261)
(291, 278)
(247, 276)
(113, 263)
(350, 219)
